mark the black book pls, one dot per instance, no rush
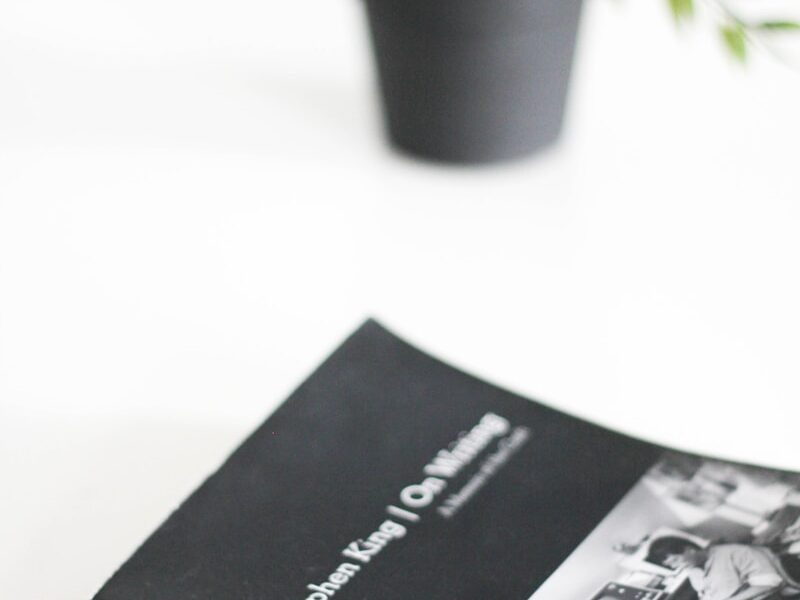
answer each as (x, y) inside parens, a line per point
(390, 475)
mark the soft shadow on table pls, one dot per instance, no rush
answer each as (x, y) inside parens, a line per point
(221, 106)
(326, 112)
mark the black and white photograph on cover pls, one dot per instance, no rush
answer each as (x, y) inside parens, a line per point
(691, 529)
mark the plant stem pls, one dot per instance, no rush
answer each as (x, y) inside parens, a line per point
(751, 34)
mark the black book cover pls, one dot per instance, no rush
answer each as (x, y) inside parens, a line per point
(390, 475)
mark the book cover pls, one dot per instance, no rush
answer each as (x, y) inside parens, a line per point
(390, 475)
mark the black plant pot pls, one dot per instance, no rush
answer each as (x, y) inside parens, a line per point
(473, 80)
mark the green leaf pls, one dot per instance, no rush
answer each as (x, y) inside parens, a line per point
(735, 38)
(682, 10)
(778, 26)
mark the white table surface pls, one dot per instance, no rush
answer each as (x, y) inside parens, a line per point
(196, 206)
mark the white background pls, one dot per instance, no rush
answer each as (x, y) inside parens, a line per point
(196, 206)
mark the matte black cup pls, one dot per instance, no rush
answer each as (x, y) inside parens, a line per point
(473, 81)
